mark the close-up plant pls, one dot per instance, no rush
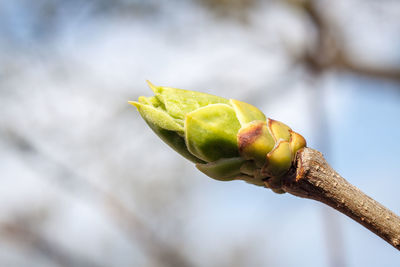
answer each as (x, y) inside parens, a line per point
(227, 139)
(233, 140)
(242, 166)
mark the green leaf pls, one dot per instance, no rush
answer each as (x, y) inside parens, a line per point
(179, 102)
(223, 169)
(279, 130)
(246, 113)
(211, 131)
(279, 159)
(151, 101)
(255, 141)
(157, 117)
(297, 142)
(175, 141)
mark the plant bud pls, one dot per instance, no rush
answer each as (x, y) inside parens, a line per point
(227, 139)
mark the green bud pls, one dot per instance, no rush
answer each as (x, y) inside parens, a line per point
(223, 169)
(210, 132)
(227, 139)
(255, 141)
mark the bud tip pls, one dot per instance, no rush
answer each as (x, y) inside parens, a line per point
(152, 86)
(134, 103)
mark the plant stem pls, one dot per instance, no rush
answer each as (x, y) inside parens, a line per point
(313, 178)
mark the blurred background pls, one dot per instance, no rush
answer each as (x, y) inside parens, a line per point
(84, 182)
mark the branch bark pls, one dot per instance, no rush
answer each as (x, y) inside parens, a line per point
(313, 178)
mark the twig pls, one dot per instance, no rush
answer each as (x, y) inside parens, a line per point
(328, 51)
(313, 178)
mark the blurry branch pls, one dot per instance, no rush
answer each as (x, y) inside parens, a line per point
(21, 230)
(163, 253)
(313, 178)
(368, 70)
(236, 9)
(328, 52)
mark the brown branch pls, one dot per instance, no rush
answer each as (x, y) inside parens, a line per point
(345, 63)
(329, 52)
(313, 178)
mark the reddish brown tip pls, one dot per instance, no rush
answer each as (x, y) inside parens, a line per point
(248, 135)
